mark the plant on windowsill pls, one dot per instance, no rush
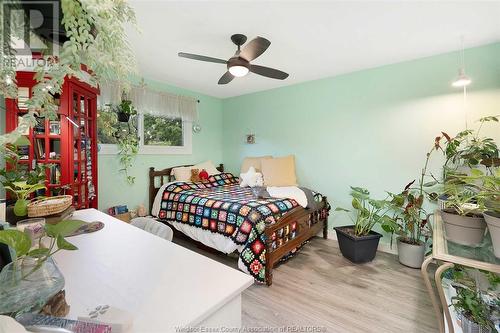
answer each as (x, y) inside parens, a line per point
(359, 242)
(32, 278)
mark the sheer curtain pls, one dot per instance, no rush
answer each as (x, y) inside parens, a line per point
(152, 102)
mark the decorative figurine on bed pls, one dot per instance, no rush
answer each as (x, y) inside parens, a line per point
(203, 175)
(199, 176)
(251, 178)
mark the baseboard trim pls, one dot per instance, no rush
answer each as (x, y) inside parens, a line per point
(382, 247)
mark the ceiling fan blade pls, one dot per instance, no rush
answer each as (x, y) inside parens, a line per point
(226, 78)
(254, 48)
(268, 72)
(201, 58)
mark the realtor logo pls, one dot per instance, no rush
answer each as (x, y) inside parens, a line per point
(29, 27)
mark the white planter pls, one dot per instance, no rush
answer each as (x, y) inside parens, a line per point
(493, 221)
(463, 230)
(411, 255)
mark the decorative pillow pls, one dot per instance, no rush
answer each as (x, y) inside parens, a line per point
(208, 166)
(195, 175)
(255, 162)
(279, 171)
(251, 178)
(182, 174)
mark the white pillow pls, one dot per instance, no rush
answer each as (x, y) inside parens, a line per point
(182, 174)
(208, 166)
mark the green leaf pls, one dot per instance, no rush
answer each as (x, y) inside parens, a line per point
(340, 209)
(63, 228)
(356, 204)
(22, 141)
(476, 172)
(64, 244)
(38, 253)
(429, 184)
(17, 240)
(21, 207)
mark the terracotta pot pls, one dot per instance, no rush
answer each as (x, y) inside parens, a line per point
(463, 230)
(493, 221)
(411, 255)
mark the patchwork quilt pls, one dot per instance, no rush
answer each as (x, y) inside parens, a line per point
(221, 206)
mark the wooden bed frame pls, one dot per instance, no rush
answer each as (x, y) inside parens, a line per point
(308, 222)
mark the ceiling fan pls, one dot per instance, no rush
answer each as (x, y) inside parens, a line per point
(239, 64)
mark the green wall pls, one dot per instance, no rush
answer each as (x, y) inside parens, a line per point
(370, 128)
(207, 145)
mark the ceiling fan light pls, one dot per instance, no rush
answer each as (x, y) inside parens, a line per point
(462, 80)
(238, 71)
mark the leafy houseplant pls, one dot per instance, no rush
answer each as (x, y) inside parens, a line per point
(20, 182)
(123, 133)
(462, 217)
(32, 277)
(486, 189)
(469, 302)
(359, 242)
(409, 222)
(467, 148)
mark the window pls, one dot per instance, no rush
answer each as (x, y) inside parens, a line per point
(157, 134)
(162, 131)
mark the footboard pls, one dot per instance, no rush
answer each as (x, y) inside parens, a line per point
(292, 230)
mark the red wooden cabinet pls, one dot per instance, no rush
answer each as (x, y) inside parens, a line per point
(68, 144)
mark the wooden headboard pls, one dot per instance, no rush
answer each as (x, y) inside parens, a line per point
(160, 177)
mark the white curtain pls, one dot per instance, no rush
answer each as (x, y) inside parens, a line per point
(153, 102)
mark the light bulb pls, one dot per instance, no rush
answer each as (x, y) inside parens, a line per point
(462, 80)
(238, 71)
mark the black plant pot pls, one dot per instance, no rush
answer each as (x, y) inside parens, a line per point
(123, 117)
(11, 217)
(357, 249)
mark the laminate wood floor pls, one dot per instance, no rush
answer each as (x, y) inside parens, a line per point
(320, 289)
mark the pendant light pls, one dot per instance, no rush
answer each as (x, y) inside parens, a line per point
(462, 80)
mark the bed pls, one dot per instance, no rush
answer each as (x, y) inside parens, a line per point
(221, 215)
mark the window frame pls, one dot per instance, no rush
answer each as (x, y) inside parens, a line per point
(185, 149)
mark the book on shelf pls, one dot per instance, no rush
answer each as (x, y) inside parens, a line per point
(55, 174)
(40, 148)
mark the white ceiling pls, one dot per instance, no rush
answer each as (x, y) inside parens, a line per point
(310, 40)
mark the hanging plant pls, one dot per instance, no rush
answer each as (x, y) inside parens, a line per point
(125, 110)
(96, 38)
(128, 149)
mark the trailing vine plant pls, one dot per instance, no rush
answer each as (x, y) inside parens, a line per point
(96, 38)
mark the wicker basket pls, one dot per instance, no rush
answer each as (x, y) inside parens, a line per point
(49, 206)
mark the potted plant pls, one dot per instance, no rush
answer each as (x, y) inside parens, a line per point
(462, 217)
(21, 183)
(409, 222)
(473, 311)
(32, 278)
(359, 242)
(125, 110)
(488, 199)
(468, 149)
